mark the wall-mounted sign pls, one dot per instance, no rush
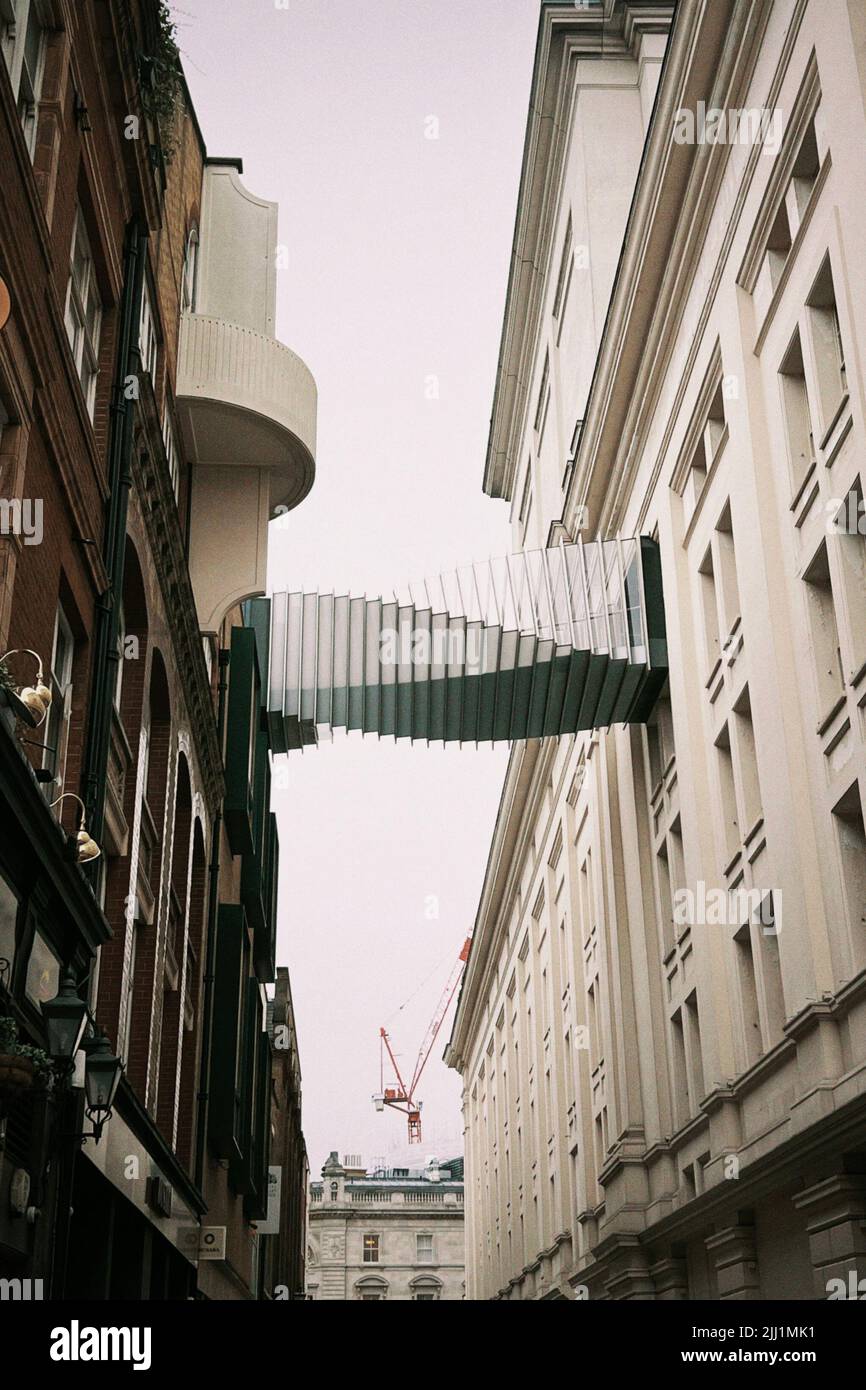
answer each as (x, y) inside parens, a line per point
(5, 303)
(212, 1244)
(271, 1225)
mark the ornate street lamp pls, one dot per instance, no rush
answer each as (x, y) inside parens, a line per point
(102, 1075)
(65, 1020)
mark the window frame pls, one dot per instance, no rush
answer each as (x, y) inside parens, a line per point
(60, 685)
(83, 341)
(15, 18)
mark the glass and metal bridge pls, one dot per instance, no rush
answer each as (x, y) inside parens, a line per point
(540, 643)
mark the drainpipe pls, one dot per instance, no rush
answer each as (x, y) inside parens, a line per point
(122, 419)
(210, 951)
(104, 670)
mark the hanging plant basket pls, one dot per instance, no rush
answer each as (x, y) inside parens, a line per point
(17, 1074)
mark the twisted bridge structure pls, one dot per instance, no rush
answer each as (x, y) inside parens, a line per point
(542, 642)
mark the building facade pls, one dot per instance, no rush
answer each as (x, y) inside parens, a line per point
(284, 1232)
(150, 425)
(661, 1030)
(389, 1234)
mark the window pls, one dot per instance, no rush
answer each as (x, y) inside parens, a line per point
(851, 839)
(572, 459)
(564, 277)
(526, 501)
(147, 340)
(424, 1249)
(23, 44)
(129, 983)
(824, 631)
(371, 1250)
(8, 920)
(543, 400)
(57, 726)
(705, 450)
(190, 272)
(83, 313)
(795, 407)
(169, 439)
(827, 346)
(43, 971)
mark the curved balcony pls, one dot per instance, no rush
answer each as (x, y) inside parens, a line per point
(244, 399)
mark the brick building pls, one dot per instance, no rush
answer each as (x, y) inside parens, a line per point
(148, 417)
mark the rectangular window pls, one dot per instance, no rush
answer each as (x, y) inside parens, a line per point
(730, 821)
(57, 724)
(795, 409)
(729, 591)
(8, 923)
(747, 760)
(83, 313)
(564, 272)
(679, 1073)
(748, 992)
(424, 1251)
(22, 38)
(371, 1250)
(827, 347)
(169, 439)
(824, 631)
(147, 340)
(705, 452)
(851, 839)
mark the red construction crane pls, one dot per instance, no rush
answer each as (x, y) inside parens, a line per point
(400, 1096)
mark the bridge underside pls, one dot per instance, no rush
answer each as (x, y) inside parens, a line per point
(541, 643)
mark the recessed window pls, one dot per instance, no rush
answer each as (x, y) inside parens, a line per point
(147, 340)
(57, 724)
(22, 38)
(795, 408)
(371, 1250)
(824, 631)
(424, 1248)
(169, 439)
(827, 346)
(8, 922)
(190, 273)
(83, 313)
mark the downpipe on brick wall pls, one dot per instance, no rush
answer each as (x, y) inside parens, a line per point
(103, 679)
(210, 949)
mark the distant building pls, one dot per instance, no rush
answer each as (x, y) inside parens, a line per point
(395, 1233)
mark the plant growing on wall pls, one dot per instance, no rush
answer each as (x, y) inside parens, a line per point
(161, 77)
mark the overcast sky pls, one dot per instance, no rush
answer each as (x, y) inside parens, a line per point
(397, 260)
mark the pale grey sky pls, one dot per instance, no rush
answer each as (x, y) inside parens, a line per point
(398, 248)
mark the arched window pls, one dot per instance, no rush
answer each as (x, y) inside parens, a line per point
(371, 1289)
(335, 1190)
(426, 1288)
(190, 272)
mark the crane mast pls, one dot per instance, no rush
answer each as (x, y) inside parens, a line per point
(400, 1096)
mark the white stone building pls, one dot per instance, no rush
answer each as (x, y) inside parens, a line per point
(662, 1026)
(394, 1234)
